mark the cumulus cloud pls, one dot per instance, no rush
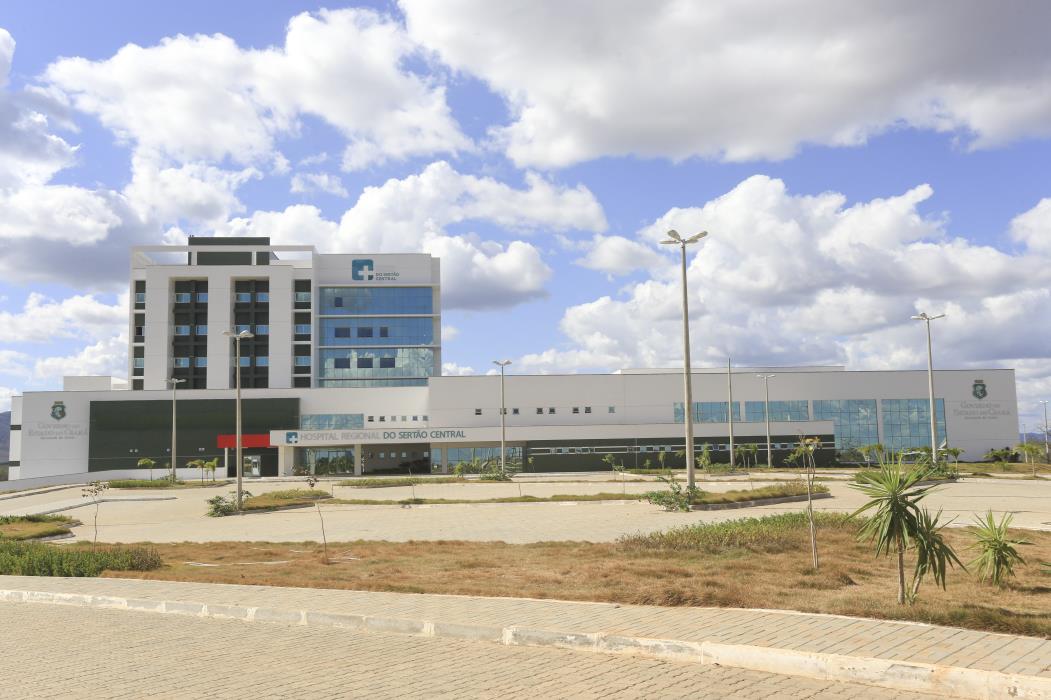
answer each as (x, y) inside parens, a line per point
(743, 81)
(193, 192)
(449, 332)
(107, 357)
(798, 279)
(413, 214)
(240, 100)
(305, 183)
(451, 369)
(617, 255)
(82, 316)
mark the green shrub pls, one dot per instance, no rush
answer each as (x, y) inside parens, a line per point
(676, 497)
(38, 559)
(771, 533)
(220, 506)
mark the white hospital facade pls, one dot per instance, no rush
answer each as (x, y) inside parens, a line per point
(343, 376)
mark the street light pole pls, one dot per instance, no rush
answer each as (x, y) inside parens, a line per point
(766, 412)
(730, 408)
(238, 337)
(926, 318)
(687, 415)
(175, 383)
(503, 416)
(1047, 454)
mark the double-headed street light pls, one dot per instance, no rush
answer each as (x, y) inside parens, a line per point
(927, 318)
(175, 383)
(766, 410)
(687, 415)
(238, 337)
(503, 416)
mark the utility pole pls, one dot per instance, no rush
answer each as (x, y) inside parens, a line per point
(730, 408)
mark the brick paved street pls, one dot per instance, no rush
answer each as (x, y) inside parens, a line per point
(64, 651)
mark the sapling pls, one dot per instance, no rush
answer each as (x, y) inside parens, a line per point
(94, 491)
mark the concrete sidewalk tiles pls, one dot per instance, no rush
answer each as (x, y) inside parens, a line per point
(908, 656)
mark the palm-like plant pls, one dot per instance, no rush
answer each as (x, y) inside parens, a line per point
(895, 499)
(147, 463)
(934, 556)
(997, 555)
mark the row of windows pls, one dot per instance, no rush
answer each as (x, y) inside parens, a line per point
(551, 410)
(182, 297)
(469, 454)
(368, 383)
(185, 330)
(376, 300)
(183, 362)
(302, 329)
(754, 411)
(331, 421)
(394, 419)
(379, 363)
(246, 297)
(377, 331)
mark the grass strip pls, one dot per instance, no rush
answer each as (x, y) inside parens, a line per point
(29, 527)
(787, 488)
(40, 559)
(380, 483)
(161, 484)
(284, 499)
(504, 499)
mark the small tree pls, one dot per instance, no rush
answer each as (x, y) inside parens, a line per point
(1031, 451)
(211, 465)
(997, 555)
(147, 463)
(933, 554)
(704, 459)
(197, 464)
(618, 468)
(94, 491)
(803, 455)
(895, 498)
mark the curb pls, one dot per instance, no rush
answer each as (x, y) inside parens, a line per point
(103, 500)
(759, 502)
(947, 681)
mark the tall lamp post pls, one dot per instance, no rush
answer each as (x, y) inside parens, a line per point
(766, 412)
(1047, 454)
(927, 318)
(730, 409)
(503, 416)
(175, 383)
(687, 415)
(238, 337)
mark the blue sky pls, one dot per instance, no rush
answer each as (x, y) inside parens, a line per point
(854, 165)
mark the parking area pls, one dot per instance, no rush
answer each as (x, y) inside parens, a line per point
(181, 516)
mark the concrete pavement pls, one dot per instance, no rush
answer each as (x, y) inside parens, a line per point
(899, 649)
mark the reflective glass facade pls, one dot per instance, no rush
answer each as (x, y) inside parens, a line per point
(708, 412)
(466, 454)
(375, 363)
(332, 421)
(377, 331)
(854, 420)
(369, 383)
(755, 411)
(376, 300)
(907, 423)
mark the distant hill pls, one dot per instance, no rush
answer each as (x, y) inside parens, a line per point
(5, 435)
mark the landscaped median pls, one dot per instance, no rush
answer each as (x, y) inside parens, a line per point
(32, 527)
(162, 484)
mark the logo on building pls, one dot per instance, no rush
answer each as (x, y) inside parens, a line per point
(58, 410)
(291, 438)
(979, 391)
(362, 270)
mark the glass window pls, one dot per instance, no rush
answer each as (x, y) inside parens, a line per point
(576, 409)
(262, 329)
(551, 410)
(181, 362)
(201, 330)
(384, 331)
(342, 363)
(262, 361)
(140, 297)
(539, 411)
(514, 411)
(407, 362)
(182, 330)
(302, 360)
(399, 331)
(708, 412)
(303, 297)
(907, 423)
(138, 362)
(243, 297)
(341, 331)
(182, 297)
(377, 300)
(200, 362)
(587, 409)
(331, 421)
(242, 328)
(202, 297)
(612, 409)
(245, 362)
(477, 411)
(853, 420)
(302, 329)
(364, 363)
(386, 362)
(262, 297)
(364, 331)
(140, 331)
(755, 411)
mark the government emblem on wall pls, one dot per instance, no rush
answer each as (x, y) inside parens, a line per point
(58, 410)
(979, 391)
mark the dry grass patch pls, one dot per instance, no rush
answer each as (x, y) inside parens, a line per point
(755, 563)
(29, 527)
(289, 498)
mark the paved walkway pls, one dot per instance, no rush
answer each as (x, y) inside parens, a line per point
(786, 630)
(69, 652)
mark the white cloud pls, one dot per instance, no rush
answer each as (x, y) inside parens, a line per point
(743, 81)
(5, 397)
(63, 213)
(81, 317)
(616, 255)
(194, 192)
(793, 279)
(204, 98)
(449, 332)
(305, 183)
(1033, 228)
(108, 357)
(451, 369)
(411, 215)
